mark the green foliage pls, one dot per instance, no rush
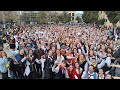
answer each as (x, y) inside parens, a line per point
(78, 19)
(9, 16)
(46, 16)
(90, 16)
(101, 22)
(114, 16)
(42, 17)
(64, 17)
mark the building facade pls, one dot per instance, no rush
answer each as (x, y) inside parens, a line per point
(73, 15)
(103, 15)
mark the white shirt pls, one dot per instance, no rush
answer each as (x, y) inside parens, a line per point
(101, 77)
(59, 61)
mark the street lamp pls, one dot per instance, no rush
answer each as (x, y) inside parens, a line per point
(3, 19)
(50, 17)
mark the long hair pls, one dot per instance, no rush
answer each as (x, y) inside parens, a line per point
(0, 54)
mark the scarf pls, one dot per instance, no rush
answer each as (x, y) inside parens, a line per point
(82, 60)
(94, 65)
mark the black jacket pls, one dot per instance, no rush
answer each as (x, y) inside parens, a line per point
(60, 75)
(48, 67)
(117, 53)
(38, 53)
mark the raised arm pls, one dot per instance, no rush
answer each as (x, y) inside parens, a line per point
(23, 59)
(55, 68)
(86, 57)
(108, 61)
(101, 64)
(83, 75)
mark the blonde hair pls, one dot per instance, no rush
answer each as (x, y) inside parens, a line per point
(0, 54)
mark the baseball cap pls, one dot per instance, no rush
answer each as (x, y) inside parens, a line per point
(63, 47)
(28, 45)
(117, 53)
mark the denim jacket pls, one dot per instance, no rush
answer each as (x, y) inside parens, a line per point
(3, 63)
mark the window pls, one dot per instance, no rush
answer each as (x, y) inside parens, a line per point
(106, 20)
(72, 18)
(72, 14)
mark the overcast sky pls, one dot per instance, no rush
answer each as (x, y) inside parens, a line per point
(79, 12)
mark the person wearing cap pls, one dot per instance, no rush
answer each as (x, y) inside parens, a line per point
(28, 47)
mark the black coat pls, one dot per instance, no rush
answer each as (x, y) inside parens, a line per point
(38, 53)
(60, 75)
(1, 41)
(117, 53)
(48, 67)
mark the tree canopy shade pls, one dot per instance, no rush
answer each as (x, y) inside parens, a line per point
(46, 16)
(113, 16)
(90, 16)
(9, 16)
(42, 17)
(64, 17)
(101, 22)
(78, 19)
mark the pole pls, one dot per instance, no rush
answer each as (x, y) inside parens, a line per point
(3, 19)
(50, 17)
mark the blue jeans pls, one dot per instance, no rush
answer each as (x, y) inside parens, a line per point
(5, 75)
(12, 75)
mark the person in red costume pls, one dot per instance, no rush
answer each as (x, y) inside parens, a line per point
(71, 72)
(78, 71)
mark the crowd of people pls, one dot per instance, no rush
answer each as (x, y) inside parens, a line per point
(61, 52)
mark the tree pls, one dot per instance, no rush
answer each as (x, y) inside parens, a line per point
(101, 22)
(113, 16)
(32, 16)
(78, 19)
(42, 17)
(64, 17)
(9, 16)
(90, 16)
(54, 17)
(25, 17)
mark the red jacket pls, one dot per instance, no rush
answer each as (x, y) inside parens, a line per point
(71, 74)
(78, 75)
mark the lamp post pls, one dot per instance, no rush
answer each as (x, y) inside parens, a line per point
(3, 19)
(50, 17)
